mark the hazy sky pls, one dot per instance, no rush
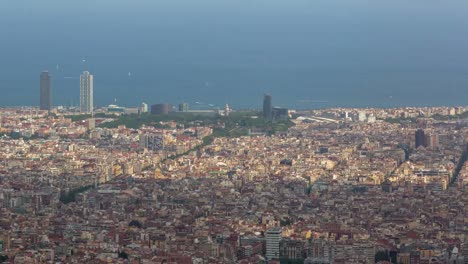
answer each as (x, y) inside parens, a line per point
(351, 35)
(385, 33)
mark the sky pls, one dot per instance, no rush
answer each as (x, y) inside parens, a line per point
(172, 48)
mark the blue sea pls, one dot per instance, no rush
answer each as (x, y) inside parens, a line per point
(305, 53)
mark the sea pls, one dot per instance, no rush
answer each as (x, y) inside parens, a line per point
(305, 53)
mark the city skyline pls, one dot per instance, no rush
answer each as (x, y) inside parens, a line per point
(309, 58)
(234, 132)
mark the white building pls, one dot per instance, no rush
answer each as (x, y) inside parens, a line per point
(144, 108)
(273, 238)
(371, 118)
(86, 93)
(362, 117)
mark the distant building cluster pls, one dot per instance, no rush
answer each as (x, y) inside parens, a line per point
(86, 92)
(273, 113)
(337, 188)
(87, 105)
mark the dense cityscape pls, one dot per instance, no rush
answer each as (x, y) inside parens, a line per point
(164, 184)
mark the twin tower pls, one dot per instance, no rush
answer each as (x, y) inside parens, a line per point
(86, 92)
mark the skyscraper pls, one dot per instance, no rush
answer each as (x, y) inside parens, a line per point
(144, 108)
(267, 108)
(432, 140)
(183, 107)
(45, 92)
(420, 138)
(273, 238)
(86, 92)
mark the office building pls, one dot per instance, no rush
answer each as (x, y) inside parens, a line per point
(420, 138)
(227, 110)
(273, 238)
(267, 107)
(362, 117)
(152, 142)
(86, 92)
(161, 109)
(291, 249)
(91, 123)
(279, 113)
(115, 109)
(320, 251)
(183, 107)
(144, 108)
(45, 92)
(432, 140)
(131, 110)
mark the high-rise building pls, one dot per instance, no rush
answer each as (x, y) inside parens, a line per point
(144, 108)
(46, 95)
(86, 92)
(161, 109)
(420, 138)
(267, 107)
(227, 110)
(183, 107)
(279, 113)
(432, 140)
(273, 238)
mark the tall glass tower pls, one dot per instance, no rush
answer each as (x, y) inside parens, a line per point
(267, 107)
(86, 93)
(45, 92)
